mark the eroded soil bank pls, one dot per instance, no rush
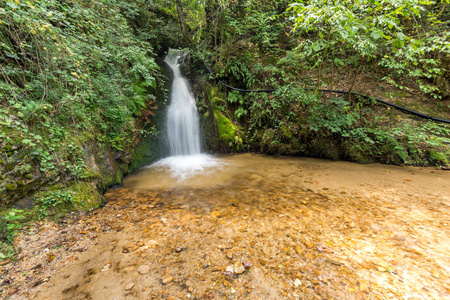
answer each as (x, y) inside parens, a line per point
(256, 228)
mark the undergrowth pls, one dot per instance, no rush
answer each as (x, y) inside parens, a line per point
(73, 75)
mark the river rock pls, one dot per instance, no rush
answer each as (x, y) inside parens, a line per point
(143, 269)
(129, 286)
(167, 279)
(238, 268)
(229, 269)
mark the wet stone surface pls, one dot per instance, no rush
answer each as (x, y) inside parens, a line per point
(265, 233)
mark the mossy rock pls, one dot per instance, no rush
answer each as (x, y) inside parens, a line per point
(227, 130)
(87, 196)
(10, 187)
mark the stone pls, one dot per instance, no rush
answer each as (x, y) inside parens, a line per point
(129, 286)
(167, 279)
(143, 269)
(238, 268)
(106, 267)
(297, 282)
(229, 254)
(229, 269)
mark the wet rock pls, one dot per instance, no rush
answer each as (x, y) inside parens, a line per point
(334, 262)
(318, 289)
(229, 254)
(247, 265)
(167, 279)
(143, 269)
(297, 282)
(215, 214)
(106, 267)
(228, 273)
(129, 286)
(50, 257)
(229, 269)
(238, 268)
(308, 244)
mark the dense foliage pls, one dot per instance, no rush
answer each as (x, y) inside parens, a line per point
(408, 38)
(74, 82)
(402, 47)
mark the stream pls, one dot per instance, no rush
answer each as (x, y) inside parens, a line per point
(252, 227)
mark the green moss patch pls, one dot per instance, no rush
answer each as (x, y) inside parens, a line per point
(227, 130)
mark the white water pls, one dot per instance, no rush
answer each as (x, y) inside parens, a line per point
(183, 128)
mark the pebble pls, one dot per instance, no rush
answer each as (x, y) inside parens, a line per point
(143, 269)
(229, 254)
(167, 279)
(106, 267)
(238, 268)
(129, 286)
(297, 282)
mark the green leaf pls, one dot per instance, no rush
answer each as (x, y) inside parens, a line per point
(375, 35)
(338, 61)
(12, 5)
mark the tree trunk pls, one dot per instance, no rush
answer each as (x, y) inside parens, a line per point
(182, 21)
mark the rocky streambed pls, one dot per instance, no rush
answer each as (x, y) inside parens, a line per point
(255, 228)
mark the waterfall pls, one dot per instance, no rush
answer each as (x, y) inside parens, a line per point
(183, 130)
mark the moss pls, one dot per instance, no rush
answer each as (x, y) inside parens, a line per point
(227, 130)
(86, 196)
(10, 187)
(286, 131)
(56, 187)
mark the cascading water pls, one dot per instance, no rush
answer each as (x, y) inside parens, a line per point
(183, 129)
